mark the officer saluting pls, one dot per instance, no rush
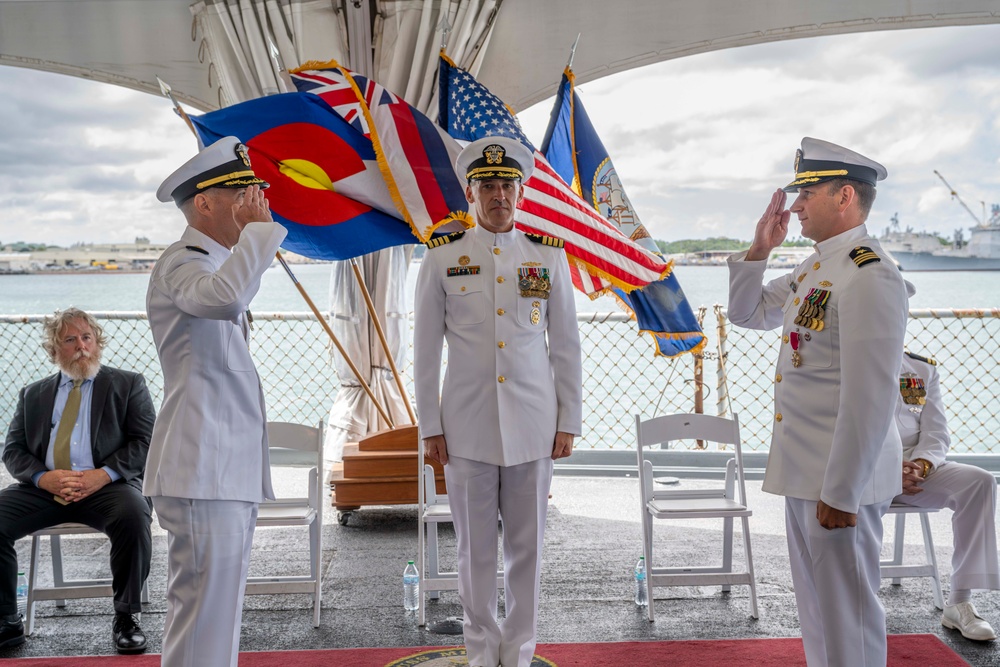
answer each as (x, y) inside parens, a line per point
(207, 469)
(835, 452)
(512, 397)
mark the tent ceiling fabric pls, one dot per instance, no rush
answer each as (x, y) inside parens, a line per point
(129, 42)
(651, 31)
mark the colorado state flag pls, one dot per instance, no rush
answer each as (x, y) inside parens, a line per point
(326, 187)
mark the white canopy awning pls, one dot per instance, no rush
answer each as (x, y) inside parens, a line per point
(130, 42)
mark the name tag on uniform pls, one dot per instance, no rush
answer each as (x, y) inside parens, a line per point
(463, 271)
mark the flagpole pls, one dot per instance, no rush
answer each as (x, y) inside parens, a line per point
(336, 342)
(572, 52)
(381, 336)
(166, 90)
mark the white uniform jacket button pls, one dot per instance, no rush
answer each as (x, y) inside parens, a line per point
(501, 379)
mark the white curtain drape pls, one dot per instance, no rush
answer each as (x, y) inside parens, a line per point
(407, 39)
(249, 41)
(353, 416)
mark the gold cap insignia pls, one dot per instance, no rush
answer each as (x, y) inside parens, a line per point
(242, 154)
(798, 158)
(494, 154)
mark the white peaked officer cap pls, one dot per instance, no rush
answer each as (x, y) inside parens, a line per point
(224, 164)
(495, 157)
(819, 161)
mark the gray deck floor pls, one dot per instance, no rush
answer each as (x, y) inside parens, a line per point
(593, 541)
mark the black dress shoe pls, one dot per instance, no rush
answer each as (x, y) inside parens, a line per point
(129, 637)
(11, 633)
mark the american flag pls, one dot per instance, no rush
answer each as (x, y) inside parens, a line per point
(601, 256)
(415, 156)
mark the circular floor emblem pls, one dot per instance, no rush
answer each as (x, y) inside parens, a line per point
(450, 657)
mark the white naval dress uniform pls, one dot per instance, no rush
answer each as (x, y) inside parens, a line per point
(968, 490)
(513, 380)
(834, 437)
(208, 469)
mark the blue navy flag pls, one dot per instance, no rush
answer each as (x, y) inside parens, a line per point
(577, 154)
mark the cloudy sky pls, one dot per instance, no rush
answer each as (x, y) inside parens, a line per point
(699, 142)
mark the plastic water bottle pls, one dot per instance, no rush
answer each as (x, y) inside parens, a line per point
(640, 582)
(22, 594)
(411, 586)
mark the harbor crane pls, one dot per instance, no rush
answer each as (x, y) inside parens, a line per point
(954, 194)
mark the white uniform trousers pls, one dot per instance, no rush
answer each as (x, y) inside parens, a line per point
(836, 577)
(208, 553)
(476, 492)
(972, 493)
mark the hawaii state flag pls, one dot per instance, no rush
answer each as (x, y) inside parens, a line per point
(577, 154)
(326, 185)
(415, 156)
(600, 256)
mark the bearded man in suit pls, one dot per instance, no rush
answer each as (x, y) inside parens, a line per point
(77, 447)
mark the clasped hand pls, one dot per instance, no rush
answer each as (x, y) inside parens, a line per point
(73, 485)
(913, 477)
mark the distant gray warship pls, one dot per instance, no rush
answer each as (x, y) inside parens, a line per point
(922, 251)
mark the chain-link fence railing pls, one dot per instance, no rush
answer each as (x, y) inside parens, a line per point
(964, 342)
(292, 354)
(620, 375)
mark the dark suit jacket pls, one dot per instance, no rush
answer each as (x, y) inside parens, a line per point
(121, 424)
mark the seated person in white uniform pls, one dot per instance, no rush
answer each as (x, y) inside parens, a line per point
(931, 481)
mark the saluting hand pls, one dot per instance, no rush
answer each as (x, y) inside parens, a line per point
(254, 207)
(772, 228)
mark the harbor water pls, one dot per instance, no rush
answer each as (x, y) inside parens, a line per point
(29, 294)
(621, 375)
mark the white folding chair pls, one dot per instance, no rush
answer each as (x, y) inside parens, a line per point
(63, 589)
(432, 508)
(894, 569)
(296, 446)
(720, 503)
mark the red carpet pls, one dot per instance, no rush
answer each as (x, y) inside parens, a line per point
(904, 651)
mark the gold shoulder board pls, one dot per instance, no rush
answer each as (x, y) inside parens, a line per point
(926, 360)
(863, 255)
(546, 240)
(439, 241)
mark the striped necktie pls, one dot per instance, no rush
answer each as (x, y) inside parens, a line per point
(60, 453)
